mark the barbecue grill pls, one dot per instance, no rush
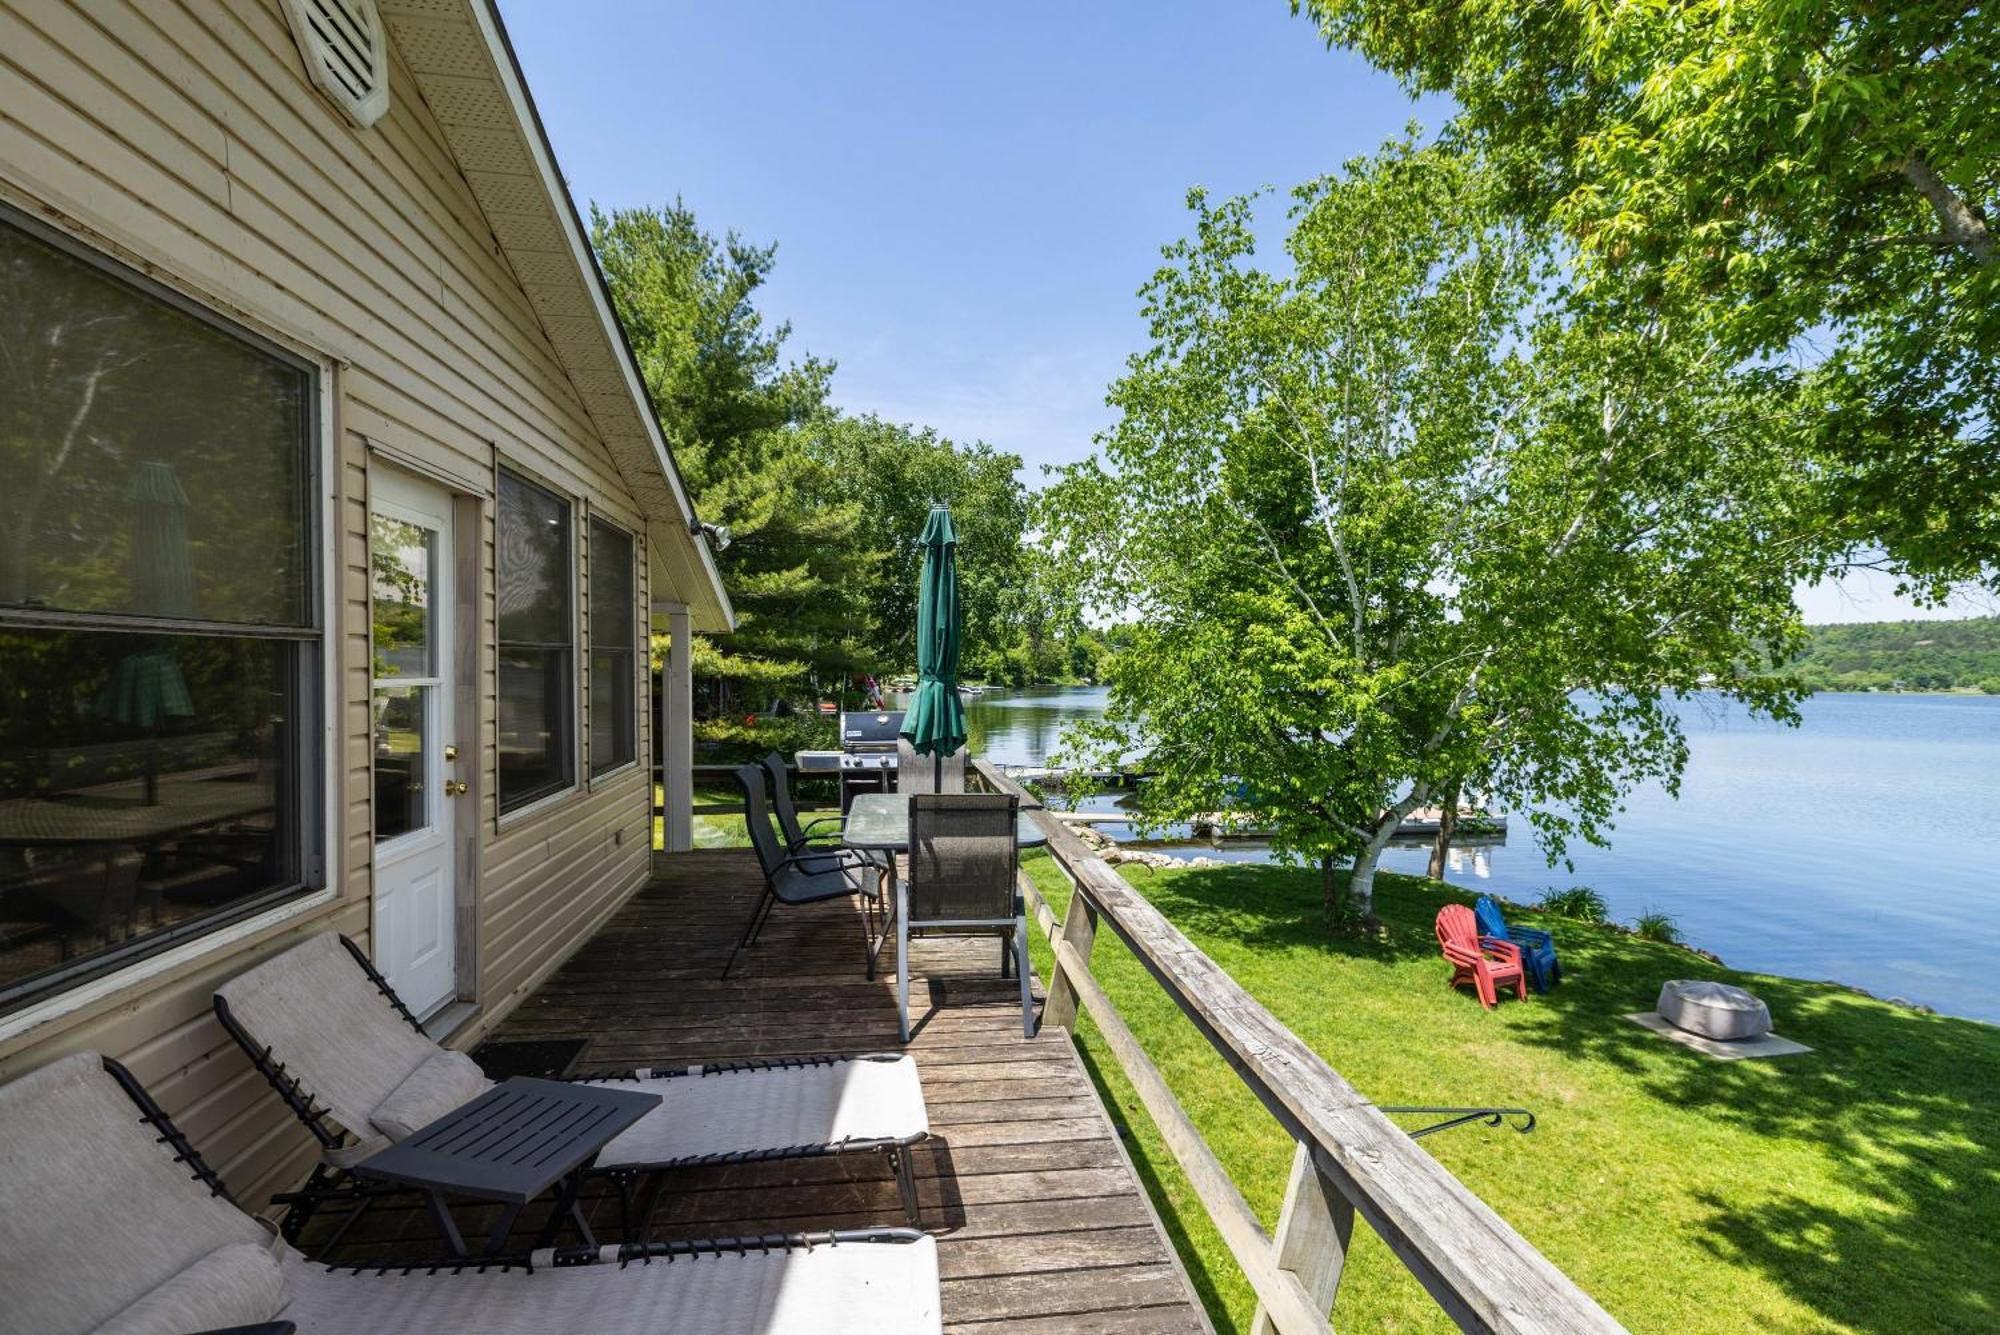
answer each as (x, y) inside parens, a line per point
(868, 753)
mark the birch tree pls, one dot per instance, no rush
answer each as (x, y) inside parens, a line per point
(1392, 517)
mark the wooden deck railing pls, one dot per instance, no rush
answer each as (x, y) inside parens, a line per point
(1350, 1158)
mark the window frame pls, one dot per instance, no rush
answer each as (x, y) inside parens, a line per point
(633, 646)
(311, 788)
(506, 816)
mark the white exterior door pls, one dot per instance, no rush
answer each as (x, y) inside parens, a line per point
(415, 749)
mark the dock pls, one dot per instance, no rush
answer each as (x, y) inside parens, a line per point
(1059, 776)
(1473, 826)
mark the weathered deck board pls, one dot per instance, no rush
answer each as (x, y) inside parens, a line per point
(1041, 1224)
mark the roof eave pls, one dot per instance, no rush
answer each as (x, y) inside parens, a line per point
(708, 604)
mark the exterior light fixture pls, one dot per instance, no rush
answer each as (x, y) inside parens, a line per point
(717, 534)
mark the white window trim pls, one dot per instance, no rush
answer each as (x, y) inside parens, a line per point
(611, 777)
(49, 1009)
(90, 992)
(541, 806)
(578, 668)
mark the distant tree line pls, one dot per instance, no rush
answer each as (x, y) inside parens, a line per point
(824, 507)
(1904, 655)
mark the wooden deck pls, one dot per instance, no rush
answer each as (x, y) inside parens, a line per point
(1041, 1222)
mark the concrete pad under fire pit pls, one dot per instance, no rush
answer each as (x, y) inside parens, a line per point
(1764, 1045)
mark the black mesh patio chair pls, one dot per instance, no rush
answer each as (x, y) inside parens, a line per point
(797, 838)
(803, 838)
(919, 773)
(964, 881)
(804, 878)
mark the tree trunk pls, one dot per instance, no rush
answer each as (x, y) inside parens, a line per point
(1361, 881)
(1963, 224)
(1361, 886)
(1447, 826)
(1329, 887)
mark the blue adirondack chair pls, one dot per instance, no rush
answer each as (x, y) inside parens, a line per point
(1538, 948)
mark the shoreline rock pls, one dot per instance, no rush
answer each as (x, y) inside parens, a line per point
(1116, 854)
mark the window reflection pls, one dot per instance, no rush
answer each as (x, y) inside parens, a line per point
(537, 709)
(143, 785)
(121, 415)
(614, 637)
(401, 563)
(536, 755)
(401, 753)
(156, 623)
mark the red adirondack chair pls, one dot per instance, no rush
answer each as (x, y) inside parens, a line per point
(1486, 962)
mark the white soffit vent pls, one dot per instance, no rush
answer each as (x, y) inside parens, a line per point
(345, 54)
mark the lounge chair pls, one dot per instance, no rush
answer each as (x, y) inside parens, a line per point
(809, 877)
(350, 1060)
(1538, 948)
(111, 1222)
(1487, 962)
(965, 881)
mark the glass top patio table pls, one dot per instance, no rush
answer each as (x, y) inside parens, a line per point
(882, 821)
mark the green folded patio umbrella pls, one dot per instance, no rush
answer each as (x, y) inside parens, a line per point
(935, 723)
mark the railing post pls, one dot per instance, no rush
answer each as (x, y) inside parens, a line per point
(1313, 1232)
(1079, 932)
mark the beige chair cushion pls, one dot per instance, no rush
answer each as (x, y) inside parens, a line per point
(102, 1223)
(241, 1284)
(442, 1081)
(96, 1212)
(321, 1016)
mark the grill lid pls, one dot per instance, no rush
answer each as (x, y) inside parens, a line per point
(870, 731)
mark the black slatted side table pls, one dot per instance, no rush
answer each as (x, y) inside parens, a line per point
(510, 1145)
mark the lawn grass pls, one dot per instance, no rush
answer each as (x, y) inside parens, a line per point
(1856, 1188)
(724, 829)
(711, 829)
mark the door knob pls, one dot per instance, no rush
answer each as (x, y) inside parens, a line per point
(454, 788)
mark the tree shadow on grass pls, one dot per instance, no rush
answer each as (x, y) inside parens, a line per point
(1907, 1105)
(1265, 908)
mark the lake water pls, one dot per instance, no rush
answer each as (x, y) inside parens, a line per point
(1862, 846)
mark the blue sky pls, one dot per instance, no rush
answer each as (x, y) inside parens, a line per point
(966, 199)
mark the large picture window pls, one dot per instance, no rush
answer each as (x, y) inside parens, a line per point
(158, 640)
(537, 644)
(614, 650)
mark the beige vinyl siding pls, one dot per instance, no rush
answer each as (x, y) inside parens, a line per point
(185, 138)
